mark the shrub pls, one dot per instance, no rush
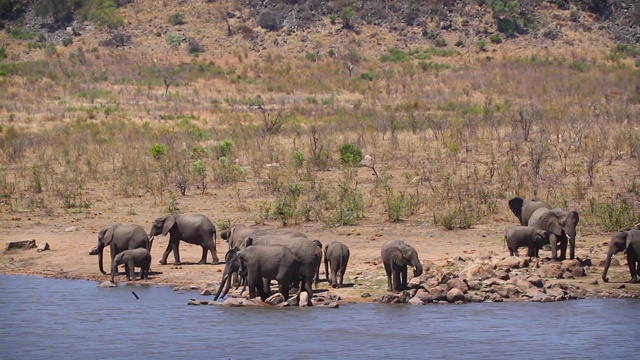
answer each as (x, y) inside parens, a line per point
(399, 205)
(20, 33)
(394, 55)
(346, 207)
(223, 148)
(3, 52)
(459, 43)
(578, 66)
(332, 19)
(228, 173)
(194, 46)
(176, 18)
(158, 151)
(455, 219)
(346, 16)
(298, 159)
(67, 41)
(613, 214)
(102, 12)
(482, 45)
(350, 154)
(495, 39)
(174, 40)
(368, 76)
(441, 42)
(269, 20)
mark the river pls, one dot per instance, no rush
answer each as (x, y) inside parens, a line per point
(70, 319)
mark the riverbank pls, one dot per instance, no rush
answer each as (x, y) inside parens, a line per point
(472, 261)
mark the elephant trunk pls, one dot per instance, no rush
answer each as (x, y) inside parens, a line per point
(417, 267)
(100, 251)
(150, 243)
(612, 250)
(226, 280)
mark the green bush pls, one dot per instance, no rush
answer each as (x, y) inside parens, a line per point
(459, 43)
(495, 39)
(228, 173)
(223, 148)
(482, 45)
(368, 76)
(174, 40)
(350, 154)
(20, 33)
(399, 205)
(394, 55)
(102, 12)
(346, 207)
(176, 18)
(67, 41)
(298, 159)
(455, 219)
(613, 214)
(440, 42)
(578, 66)
(158, 151)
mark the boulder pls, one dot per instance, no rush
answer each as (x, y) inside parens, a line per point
(542, 297)
(458, 283)
(552, 270)
(107, 284)
(602, 262)
(439, 293)
(275, 299)
(21, 244)
(536, 281)
(557, 294)
(206, 292)
(578, 272)
(390, 299)
(474, 285)
(507, 291)
(522, 284)
(329, 305)
(477, 272)
(569, 265)
(93, 251)
(474, 297)
(492, 297)
(237, 302)
(44, 247)
(331, 296)
(304, 299)
(416, 301)
(503, 275)
(70, 229)
(199, 302)
(424, 296)
(454, 295)
(513, 262)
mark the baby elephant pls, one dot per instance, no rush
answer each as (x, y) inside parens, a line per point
(529, 236)
(131, 258)
(336, 256)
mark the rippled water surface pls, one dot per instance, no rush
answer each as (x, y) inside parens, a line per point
(64, 319)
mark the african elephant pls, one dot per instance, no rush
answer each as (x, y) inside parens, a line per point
(236, 233)
(132, 258)
(529, 236)
(306, 251)
(120, 238)
(396, 256)
(316, 278)
(561, 226)
(524, 208)
(336, 257)
(627, 240)
(193, 229)
(260, 264)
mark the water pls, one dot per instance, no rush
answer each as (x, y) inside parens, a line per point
(64, 319)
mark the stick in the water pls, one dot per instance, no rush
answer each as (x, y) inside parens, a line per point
(134, 294)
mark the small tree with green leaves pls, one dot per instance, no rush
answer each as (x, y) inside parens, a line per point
(347, 17)
(350, 154)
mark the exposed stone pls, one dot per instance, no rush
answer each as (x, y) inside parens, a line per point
(414, 282)
(424, 296)
(542, 297)
(390, 299)
(179, 288)
(454, 295)
(329, 305)
(602, 262)
(206, 292)
(236, 302)
(458, 283)
(477, 272)
(107, 284)
(578, 272)
(304, 299)
(503, 275)
(199, 302)
(474, 297)
(492, 282)
(275, 299)
(569, 265)
(507, 291)
(93, 251)
(365, 295)
(21, 244)
(513, 262)
(556, 293)
(474, 285)
(492, 297)
(44, 247)
(536, 281)
(416, 301)
(439, 293)
(552, 270)
(522, 283)
(70, 229)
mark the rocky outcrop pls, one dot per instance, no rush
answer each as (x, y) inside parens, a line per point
(21, 244)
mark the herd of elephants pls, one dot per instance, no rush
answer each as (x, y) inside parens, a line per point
(256, 257)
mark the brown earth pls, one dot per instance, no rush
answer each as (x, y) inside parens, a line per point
(69, 258)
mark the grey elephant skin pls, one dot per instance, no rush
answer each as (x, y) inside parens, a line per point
(306, 251)
(627, 240)
(397, 256)
(560, 224)
(336, 257)
(131, 259)
(260, 264)
(529, 236)
(192, 229)
(120, 238)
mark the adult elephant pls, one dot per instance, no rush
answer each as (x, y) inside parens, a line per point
(524, 208)
(397, 256)
(236, 233)
(306, 251)
(561, 226)
(627, 240)
(193, 229)
(336, 257)
(120, 238)
(259, 265)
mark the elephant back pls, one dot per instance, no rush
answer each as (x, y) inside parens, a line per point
(545, 219)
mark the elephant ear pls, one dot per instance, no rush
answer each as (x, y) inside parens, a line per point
(169, 222)
(106, 235)
(248, 241)
(515, 205)
(396, 256)
(549, 221)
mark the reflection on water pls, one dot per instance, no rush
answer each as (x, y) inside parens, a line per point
(65, 319)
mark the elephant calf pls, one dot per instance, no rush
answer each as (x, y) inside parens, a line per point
(132, 258)
(397, 256)
(336, 257)
(532, 238)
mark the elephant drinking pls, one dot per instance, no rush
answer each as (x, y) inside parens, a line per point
(627, 240)
(397, 256)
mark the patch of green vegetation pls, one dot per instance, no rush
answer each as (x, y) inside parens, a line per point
(20, 33)
(93, 93)
(394, 55)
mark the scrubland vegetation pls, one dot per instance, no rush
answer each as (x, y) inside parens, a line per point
(340, 136)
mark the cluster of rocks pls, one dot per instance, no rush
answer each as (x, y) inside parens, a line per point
(323, 300)
(27, 244)
(506, 279)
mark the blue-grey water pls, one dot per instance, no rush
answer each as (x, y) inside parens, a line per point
(69, 319)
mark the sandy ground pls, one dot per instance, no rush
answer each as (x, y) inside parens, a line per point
(69, 255)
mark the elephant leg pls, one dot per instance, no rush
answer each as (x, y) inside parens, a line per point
(404, 284)
(554, 247)
(175, 246)
(283, 288)
(166, 253)
(266, 286)
(342, 271)
(397, 286)
(334, 277)
(632, 262)
(572, 248)
(563, 247)
(203, 259)
(387, 269)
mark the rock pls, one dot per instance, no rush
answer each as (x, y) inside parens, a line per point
(474, 285)
(454, 295)
(21, 244)
(70, 229)
(332, 296)
(602, 262)
(492, 282)
(552, 270)
(416, 301)
(304, 299)
(542, 297)
(477, 272)
(578, 272)
(194, 287)
(365, 295)
(507, 291)
(439, 293)
(424, 296)
(474, 298)
(513, 262)
(503, 275)
(536, 281)
(43, 247)
(237, 302)
(275, 299)
(414, 282)
(107, 284)
(199, 302)
(522, 284)
(293, 301)
(595, 282)
(458, 283)
(390, 299)
(206, 292)
(494, 298)
(557, 294)
(569, 265)
(329, 305)
(179, 288)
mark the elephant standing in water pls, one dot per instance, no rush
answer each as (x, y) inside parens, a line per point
(120, 238)
(259, 265)
(627, 240)
(132, 258)
(336, 257)
(396, 256)
(193, 229)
